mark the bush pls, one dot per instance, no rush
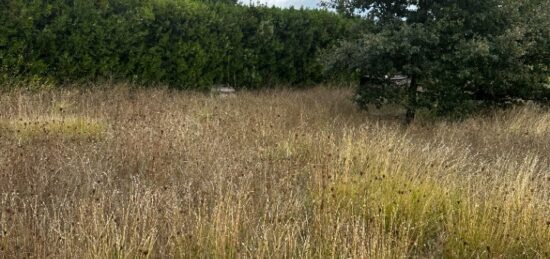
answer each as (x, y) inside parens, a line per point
(181, 43)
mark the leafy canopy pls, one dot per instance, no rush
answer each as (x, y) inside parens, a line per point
(181, 43)
(458, 55)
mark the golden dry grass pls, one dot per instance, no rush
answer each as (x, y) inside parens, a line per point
(280, 173)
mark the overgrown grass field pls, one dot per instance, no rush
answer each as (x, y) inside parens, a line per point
(117, 172)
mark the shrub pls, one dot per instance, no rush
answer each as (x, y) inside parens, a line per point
(181, 43)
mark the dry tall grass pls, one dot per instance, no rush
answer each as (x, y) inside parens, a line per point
(154, 173)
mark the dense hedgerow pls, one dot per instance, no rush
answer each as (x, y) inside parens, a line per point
(181, 43)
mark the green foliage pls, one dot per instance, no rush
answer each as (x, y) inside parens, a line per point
(182, 43)
(460, 56)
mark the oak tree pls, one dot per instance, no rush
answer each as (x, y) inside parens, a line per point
(457, 55)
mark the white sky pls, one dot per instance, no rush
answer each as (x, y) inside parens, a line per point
(287, 3)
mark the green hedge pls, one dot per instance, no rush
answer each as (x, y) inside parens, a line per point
(181, 43)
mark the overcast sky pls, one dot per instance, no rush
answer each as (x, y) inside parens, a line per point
(288, 3)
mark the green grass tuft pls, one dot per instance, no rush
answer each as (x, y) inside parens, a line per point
(43, 128)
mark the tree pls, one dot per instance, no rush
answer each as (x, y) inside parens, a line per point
(457, 55)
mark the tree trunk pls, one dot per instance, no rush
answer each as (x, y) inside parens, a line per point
(411, 105)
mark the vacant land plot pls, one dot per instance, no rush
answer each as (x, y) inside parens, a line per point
(154, 173)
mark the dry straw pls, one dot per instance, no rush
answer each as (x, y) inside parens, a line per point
(265, 174)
